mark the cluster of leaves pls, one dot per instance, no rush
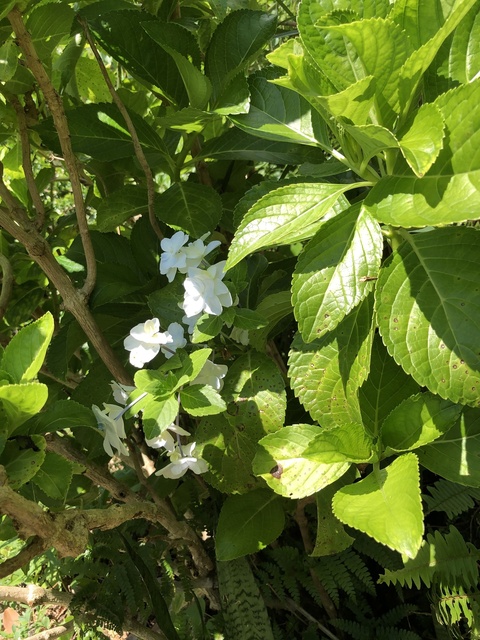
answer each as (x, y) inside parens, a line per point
(333, 151)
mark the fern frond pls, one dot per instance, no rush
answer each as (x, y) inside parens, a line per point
(395, 615)
(358, 568)
(445, 559)
(354, 629)
(392, 633)
(382, 555)
(455, 604)
(450, 497)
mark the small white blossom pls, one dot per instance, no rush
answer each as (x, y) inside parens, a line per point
(191, 322)
(205, 291)
(196, 251)
(165, 439)
(121, 392)
(174, 339)
(173, 257)
(179, 464)
(110, 421)
(212, 375)
(146, 340)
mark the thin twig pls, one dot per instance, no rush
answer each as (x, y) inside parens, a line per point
(55, 105)
(27, 161)
(131, 128)
(7, 283)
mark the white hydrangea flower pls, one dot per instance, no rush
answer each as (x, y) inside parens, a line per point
(211, 374)
(190, 322)
(175, 339)
(205, 291)
(179, 464)
(196, 251)
(165, 439)
(173, 257)
(146, 340)
(120, 392)
(110, 421)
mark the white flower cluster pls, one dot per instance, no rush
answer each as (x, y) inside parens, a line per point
(146, 340)
(204, 290)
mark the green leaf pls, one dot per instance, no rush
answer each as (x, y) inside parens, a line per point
(335, 271)
(248, 319)
(386, 505)
(273, 308)
(280, 114)
(63, 414)
(283, 216)
(325, 374)
(191, 366)
(228, 448)
(25, 353)
(22, 401)
(158, 384)
(235, 42)
(99, 131)
(123, 35)
(197, 85)
(385, 388)
(418, 421)
(427, 309)
(206, 328)
(191, 207)
(201, 400)
(354, 103)
(48, 26)
(331, 536)
(235, 98)
(248, 523)
(119, 206)
(347, 442)
(423, 139)
(464, 58)
(22, 458)
(256, 404)
(449, 192)
(54, 476)
(280, 460)
(158, 415)
(456, 455)
(237, 145)
(8, 60)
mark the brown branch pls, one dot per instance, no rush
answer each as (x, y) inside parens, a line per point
(34, 548)
(27, 162)
(39, 250)
(53, 632)
(55, 105)
(7, 283)
(142, 161)
(159, 512)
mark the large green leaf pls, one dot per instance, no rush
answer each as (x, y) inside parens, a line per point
(386, 505)
(48, 26)
(197, 85)
(428, 297)
(63, 414)
(119, 206)
(235, 42)
(325, 374)
(201, 400)
(123, 36)
(418, 421)
(283, 216)
(456, 455)
(347, 442)
(54, 476)
(25, 353)
(386, 387)
(335, 271)
(280, 114)
(248, 523)
(382, 49)
(238, 145)
(422, 140)
(191, 207)
(22, 458)
(256, 404)
(22, 401)
(158, 414)
(281, 461)
(99, 131)
(464, 58)
(450, 191)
